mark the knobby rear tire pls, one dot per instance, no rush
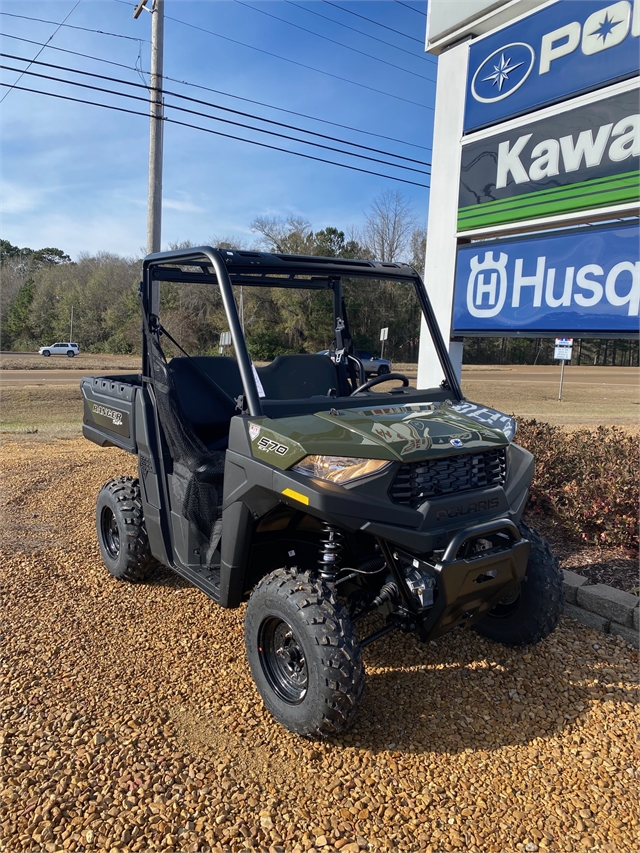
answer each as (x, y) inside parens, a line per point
(121, 530)
(304, 654)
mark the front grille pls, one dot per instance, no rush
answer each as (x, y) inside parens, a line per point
(416, 482)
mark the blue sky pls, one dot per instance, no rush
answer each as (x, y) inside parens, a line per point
(74, 176)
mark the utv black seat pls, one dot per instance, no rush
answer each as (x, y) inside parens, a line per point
(298, 377)
(208, 405)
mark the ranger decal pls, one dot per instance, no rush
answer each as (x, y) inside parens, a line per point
(112, 414)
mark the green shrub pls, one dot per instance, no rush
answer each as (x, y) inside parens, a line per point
(586, 480)
(265, 346)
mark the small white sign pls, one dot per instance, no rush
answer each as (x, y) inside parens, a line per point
(225, 339)
(384, 333)
(562, 353)
(564, 342)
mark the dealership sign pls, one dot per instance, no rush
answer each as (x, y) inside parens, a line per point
(583, 281)
(582, 159)
(569, 47)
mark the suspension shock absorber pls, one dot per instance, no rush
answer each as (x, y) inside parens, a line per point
(330, 550)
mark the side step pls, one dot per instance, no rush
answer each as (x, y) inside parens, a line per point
(207, 580)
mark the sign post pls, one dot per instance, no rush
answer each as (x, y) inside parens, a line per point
(384, 334)
(562, 352)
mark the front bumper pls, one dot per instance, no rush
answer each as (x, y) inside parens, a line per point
(468, 587)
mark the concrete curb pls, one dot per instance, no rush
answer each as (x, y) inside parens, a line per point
(602, 607)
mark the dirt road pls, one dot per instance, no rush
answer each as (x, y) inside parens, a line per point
(573, 375)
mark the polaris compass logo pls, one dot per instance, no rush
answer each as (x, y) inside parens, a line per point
(505, 70)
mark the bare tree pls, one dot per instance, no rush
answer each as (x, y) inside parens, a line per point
(226, 241)
(389, 225)
(418, 249)
(293, 235)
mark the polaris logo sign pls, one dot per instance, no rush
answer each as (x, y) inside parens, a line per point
(569, 47)
(583, 281)
(506, 74)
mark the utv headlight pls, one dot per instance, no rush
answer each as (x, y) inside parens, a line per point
(339, 469)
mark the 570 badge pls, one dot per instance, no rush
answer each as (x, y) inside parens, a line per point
(270, 446)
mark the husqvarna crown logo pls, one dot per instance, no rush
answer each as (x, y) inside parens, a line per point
(505, 70)
(487, 283)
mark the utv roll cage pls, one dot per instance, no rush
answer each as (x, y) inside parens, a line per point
(233, 267)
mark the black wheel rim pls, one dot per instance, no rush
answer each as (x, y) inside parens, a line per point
(283, 660)
(507, 605)
(110, 533)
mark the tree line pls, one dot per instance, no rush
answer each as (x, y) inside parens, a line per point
(40, 289)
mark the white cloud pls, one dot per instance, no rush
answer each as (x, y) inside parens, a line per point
(183, 205)
(20, 199)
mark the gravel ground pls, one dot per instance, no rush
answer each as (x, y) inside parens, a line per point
(129, 720)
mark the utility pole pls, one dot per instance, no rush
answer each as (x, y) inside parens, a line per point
(154, 204)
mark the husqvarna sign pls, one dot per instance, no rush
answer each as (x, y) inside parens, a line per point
(566, 48)
(584, 281)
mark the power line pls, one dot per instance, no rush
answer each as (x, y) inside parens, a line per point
(301, 64)
(42, 48)
(216, 118)
(227, 94)
(72, 27)
(422, 57)
(217, 133)
(242, 44)
(406, 6)
(371, 21)
(219, 107)
(332, 41)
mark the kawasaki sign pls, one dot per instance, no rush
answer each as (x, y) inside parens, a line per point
(586, 281)
(582, 159)
(568, 47)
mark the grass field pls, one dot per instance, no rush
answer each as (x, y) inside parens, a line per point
(49, 411)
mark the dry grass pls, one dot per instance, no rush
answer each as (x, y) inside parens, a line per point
(56, 411)
(46, 412)
(581, 405)
(89, 362)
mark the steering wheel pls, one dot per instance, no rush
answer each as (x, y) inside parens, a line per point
(376, 380)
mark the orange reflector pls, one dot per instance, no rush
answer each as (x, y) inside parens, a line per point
(297, 496)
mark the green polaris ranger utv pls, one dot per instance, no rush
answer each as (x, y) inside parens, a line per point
(301, 486)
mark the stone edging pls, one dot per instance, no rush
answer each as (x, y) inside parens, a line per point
(602, 607)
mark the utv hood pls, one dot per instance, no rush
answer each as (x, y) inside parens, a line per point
(395, 433)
